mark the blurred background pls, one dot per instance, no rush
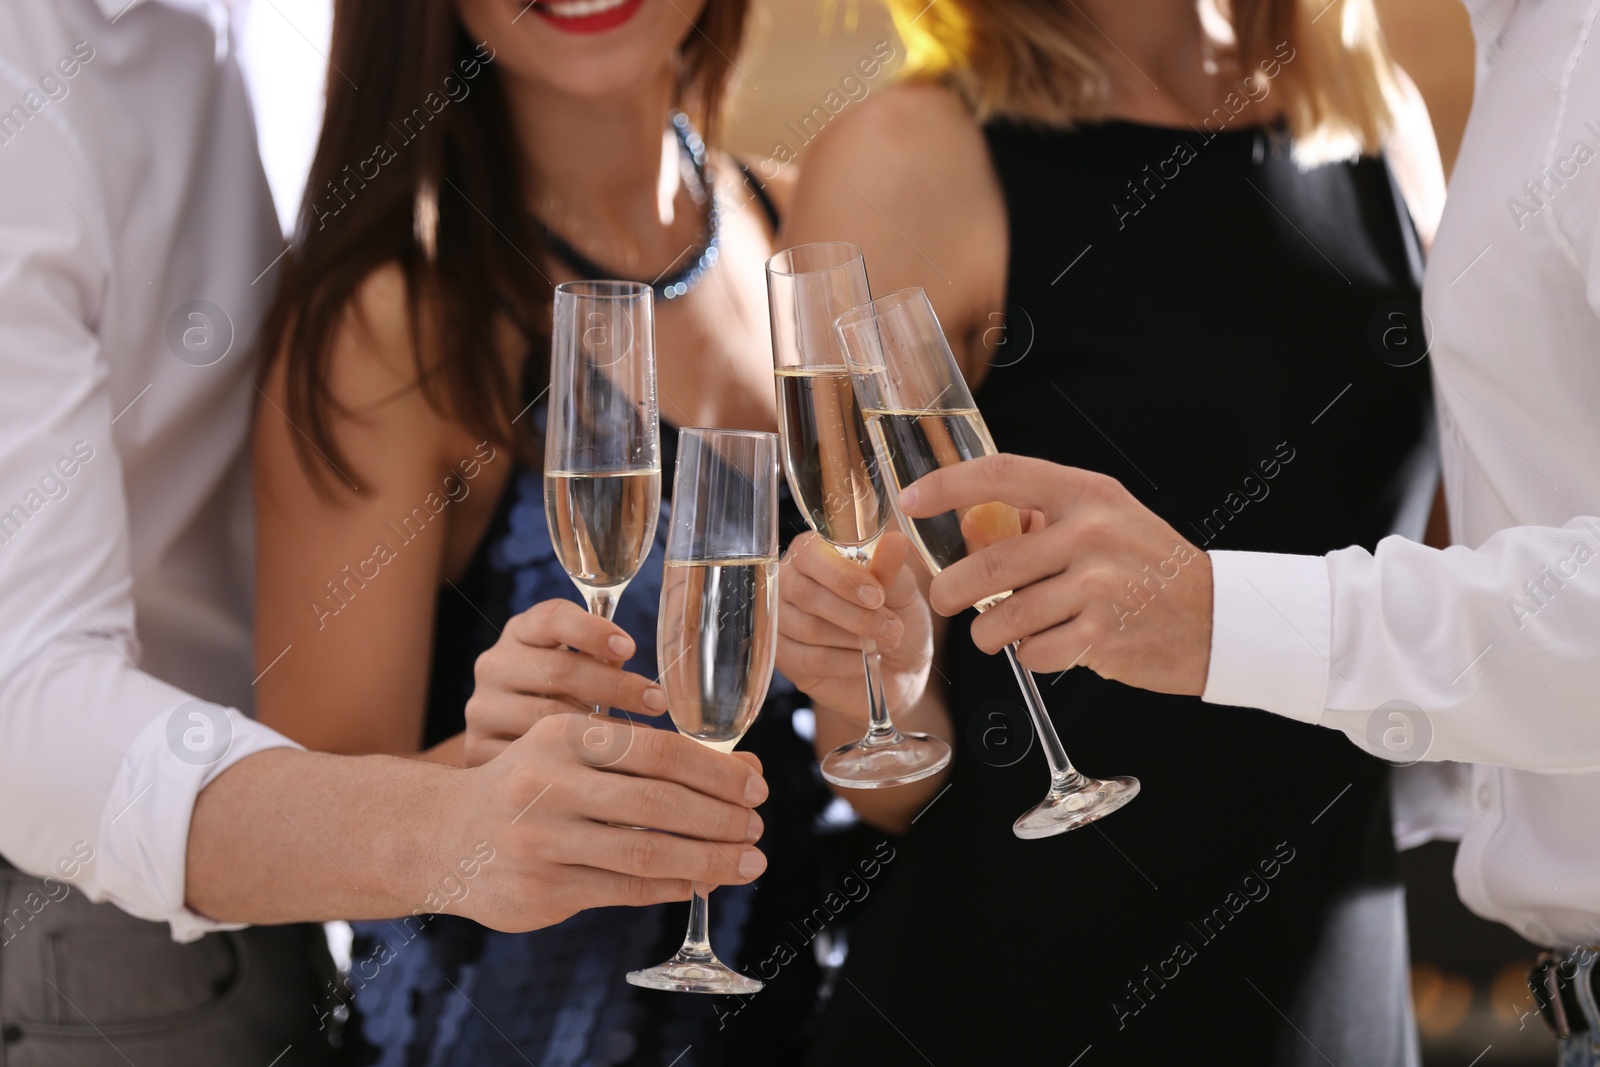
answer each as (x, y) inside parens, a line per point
(801, 48)
(1473, 1008)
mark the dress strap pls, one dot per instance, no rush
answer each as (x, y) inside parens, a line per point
(759, 188)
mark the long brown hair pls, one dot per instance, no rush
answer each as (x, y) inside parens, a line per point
(1043, 62)
(421, 168)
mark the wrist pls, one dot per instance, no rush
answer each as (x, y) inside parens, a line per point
(413, 832)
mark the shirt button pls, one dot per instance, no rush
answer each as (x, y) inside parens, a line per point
(1485, 795)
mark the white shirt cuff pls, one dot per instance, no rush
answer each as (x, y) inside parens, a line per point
(1270, 633)
(144, 829)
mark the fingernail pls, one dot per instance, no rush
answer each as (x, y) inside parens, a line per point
(890, 627)
(752, 863)
(756, 826)
(755, 791)
(870, 595)
(620, 646)
(908, 498)
(655, 698)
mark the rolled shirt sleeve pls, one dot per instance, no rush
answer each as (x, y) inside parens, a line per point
(144, 825)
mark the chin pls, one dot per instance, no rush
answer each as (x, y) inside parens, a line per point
(589, 49)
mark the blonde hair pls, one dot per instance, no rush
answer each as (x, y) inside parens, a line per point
(1042, 62)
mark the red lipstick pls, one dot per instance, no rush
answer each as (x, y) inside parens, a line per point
(590, 22)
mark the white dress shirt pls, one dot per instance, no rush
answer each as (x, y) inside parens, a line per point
(1493, 646)
(130, 188)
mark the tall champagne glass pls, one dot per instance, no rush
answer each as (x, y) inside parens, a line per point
(602, 458)
(717, 633)
(834, 475)
(921, 416)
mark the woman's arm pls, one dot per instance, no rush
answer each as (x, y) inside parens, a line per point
(346, 582)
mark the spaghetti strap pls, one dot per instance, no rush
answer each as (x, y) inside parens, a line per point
(764, 198)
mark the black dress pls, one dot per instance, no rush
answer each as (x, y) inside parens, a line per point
(1199, 323)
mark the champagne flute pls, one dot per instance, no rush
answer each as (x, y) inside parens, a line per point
(602, 457)
(834, 476)
(921, 416)
(717, 634)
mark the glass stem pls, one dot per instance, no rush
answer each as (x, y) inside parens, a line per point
(1063, 777)
(602, 602)
(880, 730)
(697, 938)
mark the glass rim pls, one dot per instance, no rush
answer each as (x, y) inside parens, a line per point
(604, 289)
(873, 309)
(852, 252)
(718, 431)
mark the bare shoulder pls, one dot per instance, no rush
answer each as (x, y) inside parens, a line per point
(374, 355)
(380, 415)
(906, 174)
(911, 139)
(907, 113)
(1414, 158)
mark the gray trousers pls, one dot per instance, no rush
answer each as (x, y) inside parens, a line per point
(86, 985)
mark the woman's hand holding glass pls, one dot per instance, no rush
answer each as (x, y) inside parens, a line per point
(835, 479)
(555, 658)
(832, 605)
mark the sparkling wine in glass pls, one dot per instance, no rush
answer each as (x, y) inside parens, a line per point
(717, 634)
(602, 476)
(920, 417)
(833, 475)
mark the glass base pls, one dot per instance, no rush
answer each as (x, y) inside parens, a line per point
(1078, 805)
(694, 974)
(905, 759)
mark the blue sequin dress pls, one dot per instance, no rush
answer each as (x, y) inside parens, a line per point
(440, 991)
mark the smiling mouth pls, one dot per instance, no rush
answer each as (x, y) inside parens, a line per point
(585, 16)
